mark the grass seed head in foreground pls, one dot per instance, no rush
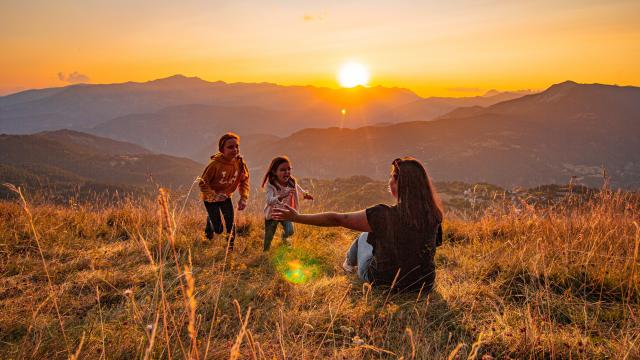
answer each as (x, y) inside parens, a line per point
(540, 282)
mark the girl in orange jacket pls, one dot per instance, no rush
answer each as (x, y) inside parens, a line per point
(225, 173)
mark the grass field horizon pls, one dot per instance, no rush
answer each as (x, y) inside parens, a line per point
(136, 280)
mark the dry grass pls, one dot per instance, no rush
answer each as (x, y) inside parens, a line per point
(136, 281)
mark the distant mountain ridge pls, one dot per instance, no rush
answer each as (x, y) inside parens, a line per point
(567, 130)
(185, 129)
(68, 159)
(434, 107)
(85, 106)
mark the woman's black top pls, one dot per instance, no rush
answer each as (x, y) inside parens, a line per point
(399, 249)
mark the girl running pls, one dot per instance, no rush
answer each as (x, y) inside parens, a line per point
(281, 189)
(225, 173)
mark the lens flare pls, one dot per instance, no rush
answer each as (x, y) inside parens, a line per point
(295, 266)
(296, 273)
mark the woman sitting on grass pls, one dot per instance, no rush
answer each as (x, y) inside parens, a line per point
(398, 242)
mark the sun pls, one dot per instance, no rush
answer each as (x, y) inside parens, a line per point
(353, 74)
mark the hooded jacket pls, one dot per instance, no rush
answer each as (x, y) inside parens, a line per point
(222, 176)
(272, 194)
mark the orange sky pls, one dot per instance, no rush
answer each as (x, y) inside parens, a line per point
(461, 48)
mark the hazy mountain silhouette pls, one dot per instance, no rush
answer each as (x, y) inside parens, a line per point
(184, 130)
(90, 144)
(568, 130)
(87, 105)
(166, 103)
(434, 107)
(27, 96)
(70, 158)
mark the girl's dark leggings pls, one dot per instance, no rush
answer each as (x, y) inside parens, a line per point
(214, 219)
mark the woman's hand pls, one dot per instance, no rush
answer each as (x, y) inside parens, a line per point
(307, 196)
(284, 213)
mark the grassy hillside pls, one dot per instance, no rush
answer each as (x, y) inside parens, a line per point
(135, 280)
(68, 163)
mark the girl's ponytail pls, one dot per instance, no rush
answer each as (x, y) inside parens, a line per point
(243, 165)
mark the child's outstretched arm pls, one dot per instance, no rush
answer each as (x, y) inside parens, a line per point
(305, 194)
(272, 195)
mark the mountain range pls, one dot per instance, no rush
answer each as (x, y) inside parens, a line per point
(570, 131)
(67, 160)
(102, 108)
(84, 106)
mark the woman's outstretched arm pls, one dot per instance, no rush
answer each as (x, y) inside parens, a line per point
(354, 220)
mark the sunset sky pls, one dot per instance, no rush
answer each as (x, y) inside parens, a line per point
(460, 48)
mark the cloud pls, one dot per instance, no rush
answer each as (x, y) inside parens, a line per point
(73, 78)
(465, 89)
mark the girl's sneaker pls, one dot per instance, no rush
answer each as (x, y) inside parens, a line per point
(348, 268)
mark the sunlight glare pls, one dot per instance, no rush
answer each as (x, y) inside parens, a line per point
(353, 74)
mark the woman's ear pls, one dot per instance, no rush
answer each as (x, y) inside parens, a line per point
(393, 186)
